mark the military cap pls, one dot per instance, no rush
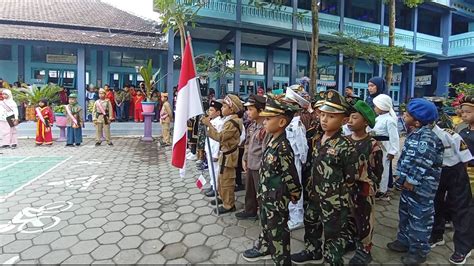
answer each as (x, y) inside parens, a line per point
(422, 110)
(334, 103)
(276, 106)
(364, 109)
(318, 104)
(217, 105)
(467, 100)
(72, 95)
(256, 100)
(233, 101)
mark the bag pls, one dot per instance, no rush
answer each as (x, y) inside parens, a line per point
(11, 120)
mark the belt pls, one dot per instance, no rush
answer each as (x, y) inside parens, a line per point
(224, 154)
(381, 138)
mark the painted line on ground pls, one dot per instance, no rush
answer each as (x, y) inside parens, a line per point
(11, 260)
(2, 199)
(15, 163)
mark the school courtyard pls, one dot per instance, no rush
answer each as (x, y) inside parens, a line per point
(125, 204)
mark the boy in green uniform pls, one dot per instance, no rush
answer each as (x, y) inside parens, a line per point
(335, 166)
(278, 185)
(370, 173)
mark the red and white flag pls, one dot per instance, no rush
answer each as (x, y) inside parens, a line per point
(188, 105)
(201, 182)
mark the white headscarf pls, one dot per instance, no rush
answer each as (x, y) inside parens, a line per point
(384, 103)
(9, 102)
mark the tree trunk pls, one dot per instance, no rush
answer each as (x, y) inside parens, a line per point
(353, 74)
(313, 74)
(182, 38)
(391, 42)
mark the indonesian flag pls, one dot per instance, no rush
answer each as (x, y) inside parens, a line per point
(201, 182)
(188, 105)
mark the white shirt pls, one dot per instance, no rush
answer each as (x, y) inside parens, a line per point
(386, 125)
(218, 124)
(296, 135)
(455, 149)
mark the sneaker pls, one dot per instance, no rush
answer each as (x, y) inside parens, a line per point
(97, 144)
(243, 215)
(413, 259)
(304, 257)
(13, 146)
(223, 210)
(5, 146)
(397, 246)
(382, 196)
(458, 258)
(361, 257)
(439, 241)
(293, 226)
(254, 254)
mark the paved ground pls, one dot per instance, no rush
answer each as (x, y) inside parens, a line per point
(125, 204)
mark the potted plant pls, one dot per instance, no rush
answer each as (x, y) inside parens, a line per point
(60, 116)
(33, 95)
(149, 80)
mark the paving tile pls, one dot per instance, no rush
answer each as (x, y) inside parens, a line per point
(110, 238)
(130, 242)
(105, 252)
(130, 256)
(173, 251)
(55, 257)
(195, 239)
(198, 254)
(84, 247)
(64, 242)
(151, 247)
(35, 252)
(171, 237)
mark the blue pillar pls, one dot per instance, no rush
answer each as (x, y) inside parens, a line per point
(295, 12)
(446, 24)
(269, 68)
(81, 77)
(21, 63)
(100, 58)
(293, 59)
(169, 67)
(414, 26)
(411, 79)
(237, 56)
(340, 74)
(444, 72)
(238, 12)
(404, 84)
(347, 75)
(382, 33)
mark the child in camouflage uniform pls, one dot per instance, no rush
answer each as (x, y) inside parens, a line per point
(335, 165)
(278, 186)
(420, 169)
(370, 172)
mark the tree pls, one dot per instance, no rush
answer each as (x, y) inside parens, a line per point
(177, 15)
(391, 31)
(213, 66)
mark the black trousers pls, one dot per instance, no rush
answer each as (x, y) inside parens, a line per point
(454, 196)
(238, 170)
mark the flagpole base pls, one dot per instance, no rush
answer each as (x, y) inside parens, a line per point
(148, 117)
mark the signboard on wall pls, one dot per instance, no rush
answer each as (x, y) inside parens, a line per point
(249, 71)
(423, 80)
(397, 77)
(61, 59)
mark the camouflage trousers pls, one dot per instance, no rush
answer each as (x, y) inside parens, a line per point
(328, 215)
(275, 235)
(416, 214)
(361, 221)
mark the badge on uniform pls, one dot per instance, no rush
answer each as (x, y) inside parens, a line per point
(332, 151)
(422, 147)
(463, 146)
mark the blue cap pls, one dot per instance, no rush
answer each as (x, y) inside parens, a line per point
(423, 110)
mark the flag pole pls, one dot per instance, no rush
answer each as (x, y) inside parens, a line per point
(211, 164)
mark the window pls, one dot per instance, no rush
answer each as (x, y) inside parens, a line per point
(281, 70)
(38, 53)
(39, 73)
(115, 58)
(131, 59)
(302, 71)
(5, 52)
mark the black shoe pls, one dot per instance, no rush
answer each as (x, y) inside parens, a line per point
(5, 146)
(213, 202)
(97, 144)
(207, 190)
(436, 241)
(110, 144)
(361, 258)
(254, 254)
(239, 188)
(413, 259)
(350, 246)
(69, 145)
(397, 246)
(223, 210)
(243, 215)
(458, 258)
(210, 194)
(304, 257)
(78, 144)
(13, 146)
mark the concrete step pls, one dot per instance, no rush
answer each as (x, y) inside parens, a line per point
(117, 129)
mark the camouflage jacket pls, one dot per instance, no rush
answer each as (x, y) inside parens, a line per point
(279, 181)
(335, 166)
(421, 161)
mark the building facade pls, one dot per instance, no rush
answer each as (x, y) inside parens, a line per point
(76, 43)
(273, 44)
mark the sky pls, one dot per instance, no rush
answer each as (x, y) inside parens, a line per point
(142, 8)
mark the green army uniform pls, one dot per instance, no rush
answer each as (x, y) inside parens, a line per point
(335, 166)
(278, 185)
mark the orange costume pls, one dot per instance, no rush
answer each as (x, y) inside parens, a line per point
(110, 95)
(45, 122)
(138, 99)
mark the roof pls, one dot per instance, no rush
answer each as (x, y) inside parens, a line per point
(77, 21)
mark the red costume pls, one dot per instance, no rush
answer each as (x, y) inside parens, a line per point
(44, 133)
(63, 97)
(131, 110)
(138, 107)
(110, 95)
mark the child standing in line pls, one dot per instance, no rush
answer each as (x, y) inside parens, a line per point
(75, 114)
(420, 169)
(102, 116)
(138, 99)
(166, 116)
(467, 107)
(45, 116)
(386, 127)
(370, 172)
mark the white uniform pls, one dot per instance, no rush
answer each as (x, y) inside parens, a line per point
(217, 123)
(296, 135)
(452, 141)
(386, 125)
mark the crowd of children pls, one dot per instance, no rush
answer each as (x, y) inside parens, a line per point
(302, 170)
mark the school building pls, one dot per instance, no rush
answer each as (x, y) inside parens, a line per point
(75, 43)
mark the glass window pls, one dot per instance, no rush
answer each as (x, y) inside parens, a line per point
(356, 77)
(281, 70)
(38, 53)
(362, 78)
(5, 52)
(115, 58)
(87, 77)
(139, 77)
(39, 73)
(369, 76)
(365, 10)
(260, 68)
(428, 22)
